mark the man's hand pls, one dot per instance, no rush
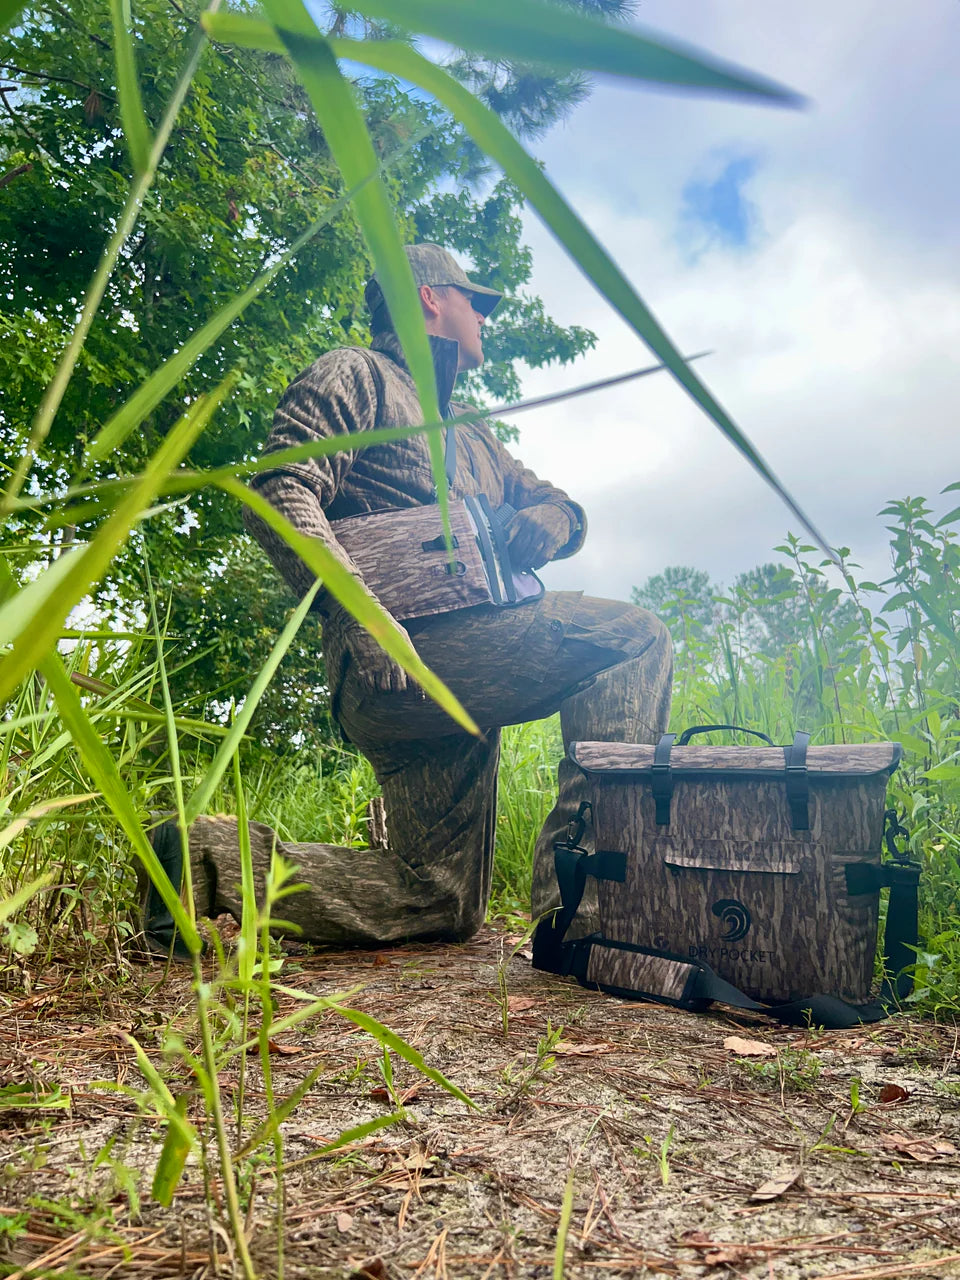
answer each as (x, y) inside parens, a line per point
(344, 637)
(536, 534)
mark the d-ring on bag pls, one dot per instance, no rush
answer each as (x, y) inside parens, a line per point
(747, 875)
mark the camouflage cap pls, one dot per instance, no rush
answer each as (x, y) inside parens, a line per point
(434, 266)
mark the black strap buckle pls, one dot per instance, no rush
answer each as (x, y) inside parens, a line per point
(577, 826)
(893, 830)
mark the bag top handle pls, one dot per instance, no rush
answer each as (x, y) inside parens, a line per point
(709, 728)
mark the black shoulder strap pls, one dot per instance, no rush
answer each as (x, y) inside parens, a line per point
(692, 984)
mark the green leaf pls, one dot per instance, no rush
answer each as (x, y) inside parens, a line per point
(943, 773)
(8, 11)
(566, 40)
(173, 1156)
(21, 938)
(950, 517)
(354, 596)
(34, 619)
(390, 1040)
(135, 127)
(497, 141)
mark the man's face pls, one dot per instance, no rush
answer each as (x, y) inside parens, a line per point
(456, 318)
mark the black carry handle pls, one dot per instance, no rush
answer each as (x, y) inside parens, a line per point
(709, 728)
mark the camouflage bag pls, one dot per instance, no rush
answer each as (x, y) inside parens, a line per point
(746, 875)
(403, 558)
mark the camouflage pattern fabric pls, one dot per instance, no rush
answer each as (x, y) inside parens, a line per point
(606, 665)
(353, 390)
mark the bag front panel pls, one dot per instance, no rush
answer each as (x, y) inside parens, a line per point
(410, 582)
(729, 881)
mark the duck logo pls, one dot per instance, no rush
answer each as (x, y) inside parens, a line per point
(735, 919)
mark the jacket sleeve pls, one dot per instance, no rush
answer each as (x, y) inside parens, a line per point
(336, 396)
(523, 488)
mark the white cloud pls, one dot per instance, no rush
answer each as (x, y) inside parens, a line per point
(835, 339)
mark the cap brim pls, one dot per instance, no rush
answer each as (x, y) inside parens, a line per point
(485, 300)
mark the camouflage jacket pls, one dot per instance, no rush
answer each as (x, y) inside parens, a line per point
(352, 390)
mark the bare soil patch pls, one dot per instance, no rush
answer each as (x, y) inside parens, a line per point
(714, 1145)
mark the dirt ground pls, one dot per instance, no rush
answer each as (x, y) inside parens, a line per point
(712, 1145)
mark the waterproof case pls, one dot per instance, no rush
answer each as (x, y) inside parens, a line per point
(747, 874)
(402, 557)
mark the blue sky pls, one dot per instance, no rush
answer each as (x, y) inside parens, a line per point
(716, 206)
(817, 252)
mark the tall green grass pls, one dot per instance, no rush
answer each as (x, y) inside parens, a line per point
(64, 737)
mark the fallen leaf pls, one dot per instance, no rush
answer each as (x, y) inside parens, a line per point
(282, 1050)
(372, 1269)
(419, 1160)
(923, 1150)
(568, 1049)
(728, 1255)
(380, 1094)
(749, 1048)
(773, 1188)
(344, 1222)
(696, 1238)
(893, 1093)
(517, 1004)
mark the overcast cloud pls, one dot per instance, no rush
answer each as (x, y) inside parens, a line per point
(817, 253)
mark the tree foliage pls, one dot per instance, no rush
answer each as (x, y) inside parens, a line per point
(247, 169)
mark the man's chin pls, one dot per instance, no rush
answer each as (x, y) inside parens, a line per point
(469, 360)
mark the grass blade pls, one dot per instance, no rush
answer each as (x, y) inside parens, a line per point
(352, 147)
(10, 906)
(390, 1040)
(105, 772)
(354, 596)
(265, 1130)
(23, 820)
(135, 127)
(562, 38)
(218, 767)
(173, 1157)
(563, 1226)
(497, 141)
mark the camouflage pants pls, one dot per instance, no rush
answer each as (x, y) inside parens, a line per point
(606, 665)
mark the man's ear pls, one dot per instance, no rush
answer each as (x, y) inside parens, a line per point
(430, 301)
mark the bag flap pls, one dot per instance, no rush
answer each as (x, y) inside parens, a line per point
(772, 857)
(862, 760)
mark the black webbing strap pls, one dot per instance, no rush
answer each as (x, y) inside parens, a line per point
(553, 955)
(798, 786)
(661, 778)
